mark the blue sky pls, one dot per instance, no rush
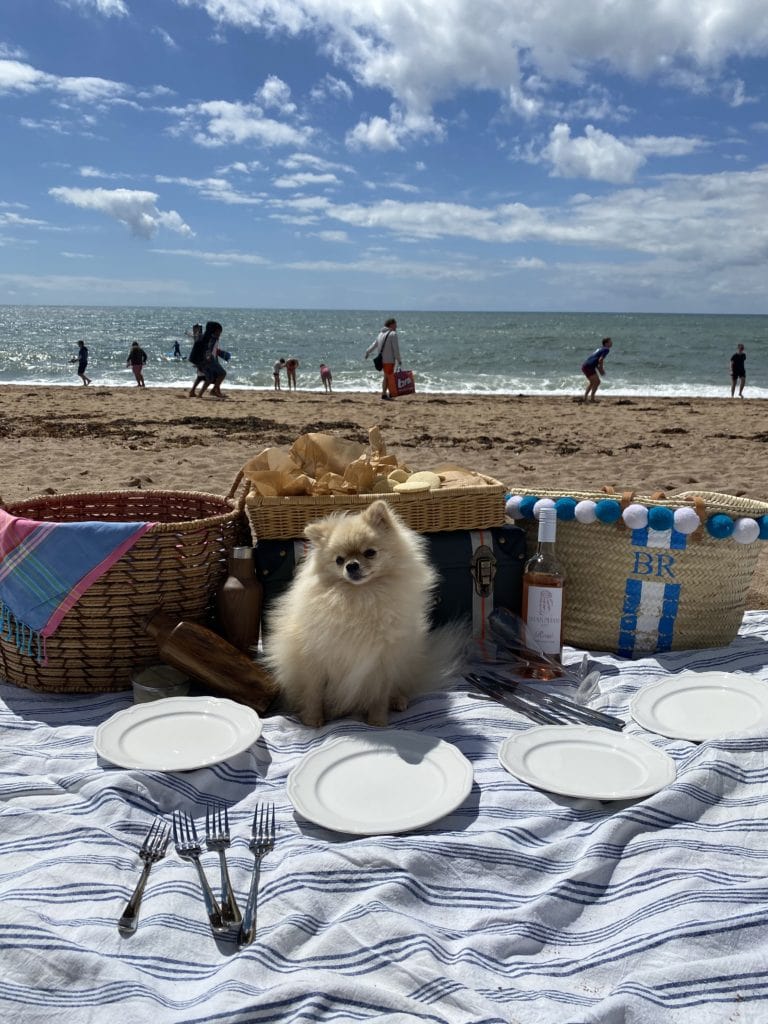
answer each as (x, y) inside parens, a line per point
(398, 154)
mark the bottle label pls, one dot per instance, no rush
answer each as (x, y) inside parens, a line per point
(544, 617)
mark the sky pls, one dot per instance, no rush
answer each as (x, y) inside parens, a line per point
(600, 155)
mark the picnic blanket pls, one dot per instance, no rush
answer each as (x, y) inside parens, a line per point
(45, 568)
(518, 907)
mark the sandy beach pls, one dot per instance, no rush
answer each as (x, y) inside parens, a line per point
(64, 439)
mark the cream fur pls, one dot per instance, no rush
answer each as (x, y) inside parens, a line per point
(352, 636)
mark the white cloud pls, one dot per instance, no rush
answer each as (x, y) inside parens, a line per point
(137, 210)
(109, 8)
(424, 51)
(331, 236)
(597, 155)
(304, 179)
(166, 37)
(710, 221)
(222, 122)
(220, 259)
(213, 188)
(600, 156)
(331, 87)
(275, 93)
(16, 76)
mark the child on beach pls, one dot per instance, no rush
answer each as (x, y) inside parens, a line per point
(82, 361)
(276, 368)
(291, 366)
(326, 377)
(593, 368)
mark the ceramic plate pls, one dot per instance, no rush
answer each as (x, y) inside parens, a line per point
(702, 705)
(380, 783)
(177, 734)
(584, 761)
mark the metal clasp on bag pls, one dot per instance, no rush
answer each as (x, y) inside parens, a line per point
(483, 570)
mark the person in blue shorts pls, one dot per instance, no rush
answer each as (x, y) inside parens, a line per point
(593, 369)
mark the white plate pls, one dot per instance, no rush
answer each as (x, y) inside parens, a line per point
(380, 783)
(177, 734)
(584, 761)
(702, 705)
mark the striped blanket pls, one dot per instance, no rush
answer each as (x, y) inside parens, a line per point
(45, 568)
(518, 907)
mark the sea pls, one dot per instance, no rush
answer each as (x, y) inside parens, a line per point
(671, 355)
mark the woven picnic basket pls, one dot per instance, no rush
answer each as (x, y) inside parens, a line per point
(178, 566)
(474, 507)
(635, 589)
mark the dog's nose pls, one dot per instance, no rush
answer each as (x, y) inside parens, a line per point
(353, 568)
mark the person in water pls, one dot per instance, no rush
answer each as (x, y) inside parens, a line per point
(82, 362)
(593, 369)
(137, 359)
(326, 377)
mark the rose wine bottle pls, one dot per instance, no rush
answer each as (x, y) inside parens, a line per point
(543, 583)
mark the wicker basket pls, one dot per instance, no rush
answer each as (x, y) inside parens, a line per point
(449, 508)
(178, 565)
(641, 591)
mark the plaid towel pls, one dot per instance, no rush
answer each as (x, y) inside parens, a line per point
(46, 567)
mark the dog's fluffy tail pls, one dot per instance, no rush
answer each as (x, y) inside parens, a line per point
(445, 657)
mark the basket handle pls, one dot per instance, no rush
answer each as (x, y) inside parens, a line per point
(233, 490)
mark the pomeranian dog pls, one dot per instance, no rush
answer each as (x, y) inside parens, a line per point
(351, 634)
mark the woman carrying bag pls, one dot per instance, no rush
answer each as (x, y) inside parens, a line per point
(387, 348)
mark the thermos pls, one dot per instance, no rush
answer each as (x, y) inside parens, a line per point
(239, 601)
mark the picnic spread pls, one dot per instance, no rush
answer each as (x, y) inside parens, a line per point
(545, 839)
(518, 905)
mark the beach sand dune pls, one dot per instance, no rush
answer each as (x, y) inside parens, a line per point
(63, 439)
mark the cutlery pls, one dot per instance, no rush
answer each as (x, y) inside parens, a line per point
(188, 847)
(557, 702)
(262, 841)
(217, 838)
(544, 708)
(151, 850)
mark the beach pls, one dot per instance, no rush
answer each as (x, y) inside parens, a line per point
(66, 439)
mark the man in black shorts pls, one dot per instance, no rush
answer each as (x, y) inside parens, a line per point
(738, 371)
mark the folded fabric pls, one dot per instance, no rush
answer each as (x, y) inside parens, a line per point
(45, 568)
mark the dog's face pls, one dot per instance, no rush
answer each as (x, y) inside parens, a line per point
(355, 549)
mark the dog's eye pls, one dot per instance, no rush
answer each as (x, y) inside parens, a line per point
(369, 553)
(340, 560)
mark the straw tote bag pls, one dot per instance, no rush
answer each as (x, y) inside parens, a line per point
(650, 574)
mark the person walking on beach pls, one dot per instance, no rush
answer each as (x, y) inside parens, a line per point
(738, 370)
(276, 370)
(326, 377)
(593, 369)
(291, 366)
(82, 362)
(387, 346)
(137, 359)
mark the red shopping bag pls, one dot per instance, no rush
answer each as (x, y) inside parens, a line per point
(401, 383)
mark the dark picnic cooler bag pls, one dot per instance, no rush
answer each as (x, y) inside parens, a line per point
(479, 570)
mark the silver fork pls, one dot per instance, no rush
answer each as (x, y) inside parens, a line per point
(217, 838)
(152, 849)
(188, 847)
(262, 841)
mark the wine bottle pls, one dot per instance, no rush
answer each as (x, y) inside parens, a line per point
(543, 583)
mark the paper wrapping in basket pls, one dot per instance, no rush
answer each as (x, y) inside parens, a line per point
(648, 575)
(321, 474)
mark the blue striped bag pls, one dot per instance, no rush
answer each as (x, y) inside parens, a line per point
(650, 574)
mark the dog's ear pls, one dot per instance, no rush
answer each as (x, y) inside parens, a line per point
(378, 514)
(317, 532)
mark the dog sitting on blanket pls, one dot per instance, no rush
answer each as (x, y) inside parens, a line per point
(351, 635)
